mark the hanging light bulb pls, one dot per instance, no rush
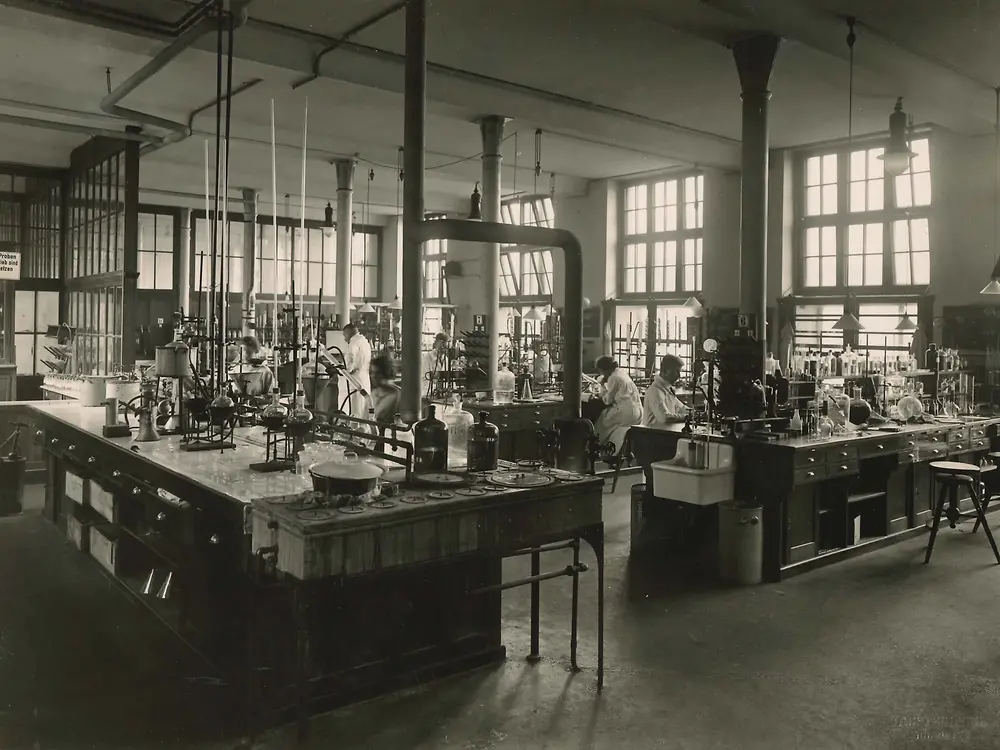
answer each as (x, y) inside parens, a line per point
(396, 304)
(476, 205)
(366, 308)
(328, 221)
(896, 157)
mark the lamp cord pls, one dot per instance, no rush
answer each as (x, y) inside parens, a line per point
(851, 39)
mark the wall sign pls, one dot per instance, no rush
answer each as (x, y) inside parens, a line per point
(10, 265)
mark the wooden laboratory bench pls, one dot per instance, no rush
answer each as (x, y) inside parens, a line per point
(388, 591)
(519, 423)
(828, 499)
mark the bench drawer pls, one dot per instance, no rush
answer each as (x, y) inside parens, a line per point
(810, 474)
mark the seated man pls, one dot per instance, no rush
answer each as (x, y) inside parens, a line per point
(660, 405)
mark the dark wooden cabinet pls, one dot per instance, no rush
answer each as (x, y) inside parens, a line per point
(519, 424)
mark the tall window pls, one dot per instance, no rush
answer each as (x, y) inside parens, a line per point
(526, 273)
(662, 246)
(435, 256)
(860, 228)
(880, 337)
(643, 334)
(156, 251)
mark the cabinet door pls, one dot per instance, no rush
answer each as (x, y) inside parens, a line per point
(921, 495)
(800, 524)
(897, 499)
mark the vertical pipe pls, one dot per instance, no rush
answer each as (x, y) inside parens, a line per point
(130, 261)
(249, 296)
(345, 207)
(414, 114)
(491, 129)
(754, 58)
(185, 269)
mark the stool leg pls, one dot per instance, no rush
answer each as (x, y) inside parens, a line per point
(576, 604)
(535, 570)
(986, 504)
(938, 510)
(981, 513)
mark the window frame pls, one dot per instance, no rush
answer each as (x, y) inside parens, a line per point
(434, 254)
(680, 236)
(521, 263)
(844, 218)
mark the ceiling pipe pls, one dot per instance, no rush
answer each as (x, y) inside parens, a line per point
(177, 131)
(86, 10)
(347, 36)
(70, 127)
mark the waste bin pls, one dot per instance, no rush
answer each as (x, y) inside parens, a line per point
(741, 543)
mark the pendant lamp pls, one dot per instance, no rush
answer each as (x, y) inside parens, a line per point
(694, 305)
(328, 221)
(366, 308)
(906, 324)
(396, 304)
(896, 158)
(848, 322)
(476, 205)
(993, 288)
(533, 314)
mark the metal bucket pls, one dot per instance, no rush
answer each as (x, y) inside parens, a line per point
(741, 544)
(11, 485)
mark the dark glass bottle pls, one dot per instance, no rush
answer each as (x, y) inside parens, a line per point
(430, 444)
(484, 445)
(931, 357)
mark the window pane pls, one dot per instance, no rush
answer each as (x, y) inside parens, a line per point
(315, 244)
(829, 169)
(829, 199)
(164, 271)
(813, 201)
(314, 273)
(813, 176)
(357, 282)
(147, 280)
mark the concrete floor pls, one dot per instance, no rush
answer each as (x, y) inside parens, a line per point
(877, 652)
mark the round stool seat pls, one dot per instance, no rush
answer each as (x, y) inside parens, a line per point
(944, 468)
(994, 454)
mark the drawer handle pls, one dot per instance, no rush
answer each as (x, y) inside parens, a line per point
(911, 456)
(811, 460)
(214, 539)
(116, 473)
(39, 434)
(54, 441)
(91, 460)
(910, 443)
(844, 455)
(810, 474)
(136, 491)
(161, 516)
(843, 468)
(880, 447)
(72, 447)
(935, 452)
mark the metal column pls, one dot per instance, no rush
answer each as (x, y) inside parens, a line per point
(754, 57)
(185, 269)
(345, 207)
(248, 302)
(491, 129)
(415, 109)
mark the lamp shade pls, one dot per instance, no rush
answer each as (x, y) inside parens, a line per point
(907, 324)
(396, 304)
(366, 307)
(328, 221)
(848, 322)
(896, 157)
(992, 288)
(533, 314)
(694, 305)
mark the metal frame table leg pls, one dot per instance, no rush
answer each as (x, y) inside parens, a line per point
(576, 605)
(595, 538)
(536, 563)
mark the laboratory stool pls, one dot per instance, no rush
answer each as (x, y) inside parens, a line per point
(949, 476)
(991, 481)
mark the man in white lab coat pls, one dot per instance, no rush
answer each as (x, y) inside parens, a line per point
(660, 405)
(357, 359)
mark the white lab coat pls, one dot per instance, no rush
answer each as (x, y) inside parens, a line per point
(432, 363)
(624, 409)
(358, 359)
(660, 405)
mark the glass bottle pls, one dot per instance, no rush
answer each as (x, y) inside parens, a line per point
(274, 414)
(484, 445)
(300, 416)
(825, 423)
(931, 357)
(430, 444)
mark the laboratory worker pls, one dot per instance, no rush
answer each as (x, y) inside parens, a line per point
(623, 404)
(433, 362)
(357, 360)
(660, 405)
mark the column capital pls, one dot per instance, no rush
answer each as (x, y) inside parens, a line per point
(491, 129)
(754, 55)
(345, 173)
(250, 196)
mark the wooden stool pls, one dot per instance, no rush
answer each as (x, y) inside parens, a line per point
(991, 482)
(951, 475)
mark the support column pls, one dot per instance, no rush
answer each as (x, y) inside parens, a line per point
(345, 206)
(414, 124)
(248, 299)
(185, 269)
(754, 57)
(491, 129)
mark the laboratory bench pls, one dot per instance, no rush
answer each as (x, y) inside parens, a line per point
(827, 499)
(519, 423)
(352, 605)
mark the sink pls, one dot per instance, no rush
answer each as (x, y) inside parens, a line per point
(675, 480)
